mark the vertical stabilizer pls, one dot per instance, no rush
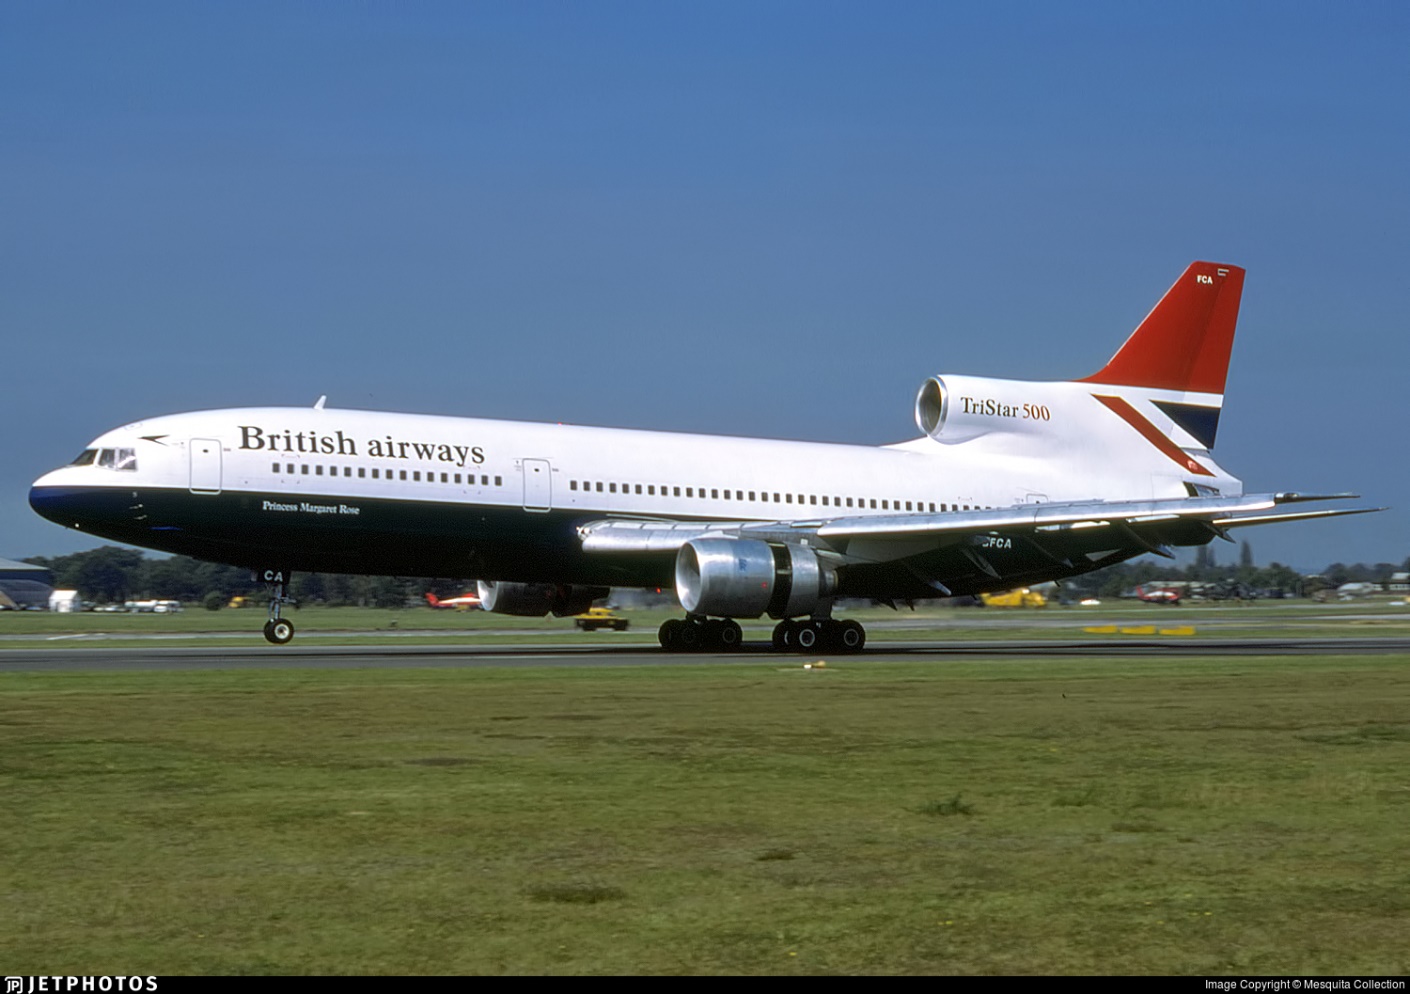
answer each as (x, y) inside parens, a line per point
(1184, 343)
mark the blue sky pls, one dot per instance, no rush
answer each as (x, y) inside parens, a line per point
(745, 218)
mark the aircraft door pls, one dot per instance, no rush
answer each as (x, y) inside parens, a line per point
(205, 466)
(538, 485)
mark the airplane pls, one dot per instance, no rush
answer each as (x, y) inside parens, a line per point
(464, 602)
(1011, 483)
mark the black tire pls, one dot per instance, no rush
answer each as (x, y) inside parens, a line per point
(851, 636)
(669, 634)
(783, 635)
(690, 637)
(806, 638)
(730, 636)
(279, 632)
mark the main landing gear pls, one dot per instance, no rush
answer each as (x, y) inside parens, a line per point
(697, 634)
(819, 635)
(277, 629)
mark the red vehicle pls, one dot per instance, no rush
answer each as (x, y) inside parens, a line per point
(1158, 595)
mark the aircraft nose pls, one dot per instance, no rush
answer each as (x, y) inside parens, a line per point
(70, 506)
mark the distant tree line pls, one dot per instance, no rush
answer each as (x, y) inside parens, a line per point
(110, 575)
(1275, 579)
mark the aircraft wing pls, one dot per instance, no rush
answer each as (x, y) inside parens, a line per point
(1146, 525)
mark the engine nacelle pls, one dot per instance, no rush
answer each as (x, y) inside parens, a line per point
(958, 408)
(745, 578)
(534, 600)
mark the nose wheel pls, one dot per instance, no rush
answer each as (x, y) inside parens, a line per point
(277, 629)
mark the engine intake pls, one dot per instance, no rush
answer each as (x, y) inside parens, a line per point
(745, 578)
(534, 600)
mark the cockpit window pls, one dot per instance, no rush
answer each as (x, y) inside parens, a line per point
(119, 459)
(86, 457)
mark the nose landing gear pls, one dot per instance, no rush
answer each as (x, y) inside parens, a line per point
(277, 629)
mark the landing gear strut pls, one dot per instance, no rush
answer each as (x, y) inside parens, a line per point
(277, 629)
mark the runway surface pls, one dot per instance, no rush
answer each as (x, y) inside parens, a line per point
(423, 656)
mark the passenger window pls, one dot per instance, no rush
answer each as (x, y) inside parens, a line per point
(276, 467)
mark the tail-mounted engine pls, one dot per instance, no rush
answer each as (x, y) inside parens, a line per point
(534, 600)
(745, 578)
(957, 408)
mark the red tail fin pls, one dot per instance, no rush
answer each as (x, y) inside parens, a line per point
(1184, 343)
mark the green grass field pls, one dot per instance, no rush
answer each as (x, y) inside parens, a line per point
(1025, 816)
(196, 626)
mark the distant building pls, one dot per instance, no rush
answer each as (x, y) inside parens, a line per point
(23, 585)
(65, 601)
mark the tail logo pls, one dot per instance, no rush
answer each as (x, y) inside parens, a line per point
(1122, 409)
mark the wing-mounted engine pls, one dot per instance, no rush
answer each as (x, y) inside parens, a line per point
(953, 409)
(534, 600)
(745, 578)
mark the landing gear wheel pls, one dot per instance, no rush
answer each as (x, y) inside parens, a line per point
(806, 637)
(279, 631)
(669, 634)
(689, 636)
(729, 636)
(783, 635)
(851, 636)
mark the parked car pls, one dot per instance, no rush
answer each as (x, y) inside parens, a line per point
(600, 617)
